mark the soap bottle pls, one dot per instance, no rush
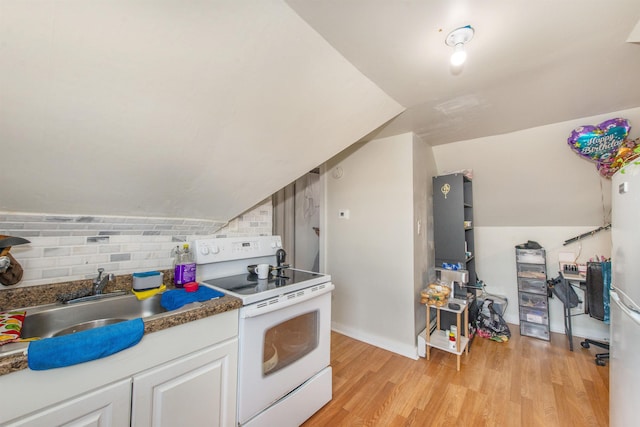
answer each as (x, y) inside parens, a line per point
(452, 339)
(185, 269)
(177, 260)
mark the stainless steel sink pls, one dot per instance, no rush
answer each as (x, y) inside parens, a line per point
(87, 325)
(62, 319)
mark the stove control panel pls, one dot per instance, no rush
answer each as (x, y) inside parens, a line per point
(208, 251)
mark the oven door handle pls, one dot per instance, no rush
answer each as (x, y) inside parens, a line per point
(286, 300)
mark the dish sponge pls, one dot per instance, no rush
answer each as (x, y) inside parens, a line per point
(148, 293)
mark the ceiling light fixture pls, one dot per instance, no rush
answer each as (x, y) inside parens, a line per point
(456, 39)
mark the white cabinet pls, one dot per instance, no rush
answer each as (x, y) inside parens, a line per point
(195, 390)
(185, 375)
(106, 407)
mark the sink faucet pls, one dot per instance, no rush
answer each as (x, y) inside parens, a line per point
(101, 281)
(92, 294)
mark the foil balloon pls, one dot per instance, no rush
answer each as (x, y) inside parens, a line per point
(599, 143)
(628, 152)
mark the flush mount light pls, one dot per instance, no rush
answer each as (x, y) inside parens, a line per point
(456, 39)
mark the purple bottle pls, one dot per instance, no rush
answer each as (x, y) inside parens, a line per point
(185, 267)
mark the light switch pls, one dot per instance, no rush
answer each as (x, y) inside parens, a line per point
(623, 188)
(343, 214)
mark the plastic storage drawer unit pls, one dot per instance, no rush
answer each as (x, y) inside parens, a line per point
(532, 271)
(534, 330)
(535, 315)
(533, 301)
(530, 256)
(535, 286)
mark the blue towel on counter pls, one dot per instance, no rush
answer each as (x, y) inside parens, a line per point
(176, 298)
(84, 346)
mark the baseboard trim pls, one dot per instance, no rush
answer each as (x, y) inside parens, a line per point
(393, 346)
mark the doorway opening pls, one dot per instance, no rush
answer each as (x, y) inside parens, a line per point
(297, 217)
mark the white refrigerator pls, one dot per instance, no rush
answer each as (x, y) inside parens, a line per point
(624, 374)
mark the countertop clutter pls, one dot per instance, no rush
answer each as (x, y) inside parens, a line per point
(15, 298)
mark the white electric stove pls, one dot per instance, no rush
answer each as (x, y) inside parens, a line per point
(284, 375)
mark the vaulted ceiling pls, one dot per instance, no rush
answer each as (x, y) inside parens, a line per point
(170, 108)
(200, 109)
(530, 63)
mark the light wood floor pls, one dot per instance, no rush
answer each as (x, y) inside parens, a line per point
(524, 382)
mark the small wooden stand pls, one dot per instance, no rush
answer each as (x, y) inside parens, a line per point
(439, 339)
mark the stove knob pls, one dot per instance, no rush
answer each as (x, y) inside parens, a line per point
(215, 249)
(204, 250)
(276, 245)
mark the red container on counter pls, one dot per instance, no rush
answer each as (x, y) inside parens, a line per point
(191, 286)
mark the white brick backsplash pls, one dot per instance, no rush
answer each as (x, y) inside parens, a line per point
(55, 233)
(72, 241)
(109, 249)
(83, 260)
(38, 263)
(72, 226)
(101, 227)
(120, 257)
(31, 276)
(85, 233)
(133, 247)
(73, 247)
(57, 252)
(85, 271)
(45, 241)
(56, 272)
(122, 239)
(140, 256)
(98, 240)
(23, 252)
(84, 250)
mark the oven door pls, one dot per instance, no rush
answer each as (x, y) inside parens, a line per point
(283, 342)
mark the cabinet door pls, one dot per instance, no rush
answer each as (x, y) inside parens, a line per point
(106, 407)
(196, 390)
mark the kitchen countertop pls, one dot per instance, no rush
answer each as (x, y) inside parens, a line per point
(14, 298)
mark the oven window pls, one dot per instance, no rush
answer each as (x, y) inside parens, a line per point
(289, 341)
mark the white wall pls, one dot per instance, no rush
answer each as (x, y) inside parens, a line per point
(532, 177)
(370, 256)
(424, 167)
(529, 185)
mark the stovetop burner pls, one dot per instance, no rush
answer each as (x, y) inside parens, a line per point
(249, 284)
(222, 265)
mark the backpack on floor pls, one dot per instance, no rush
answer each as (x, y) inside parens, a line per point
(490, 324)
